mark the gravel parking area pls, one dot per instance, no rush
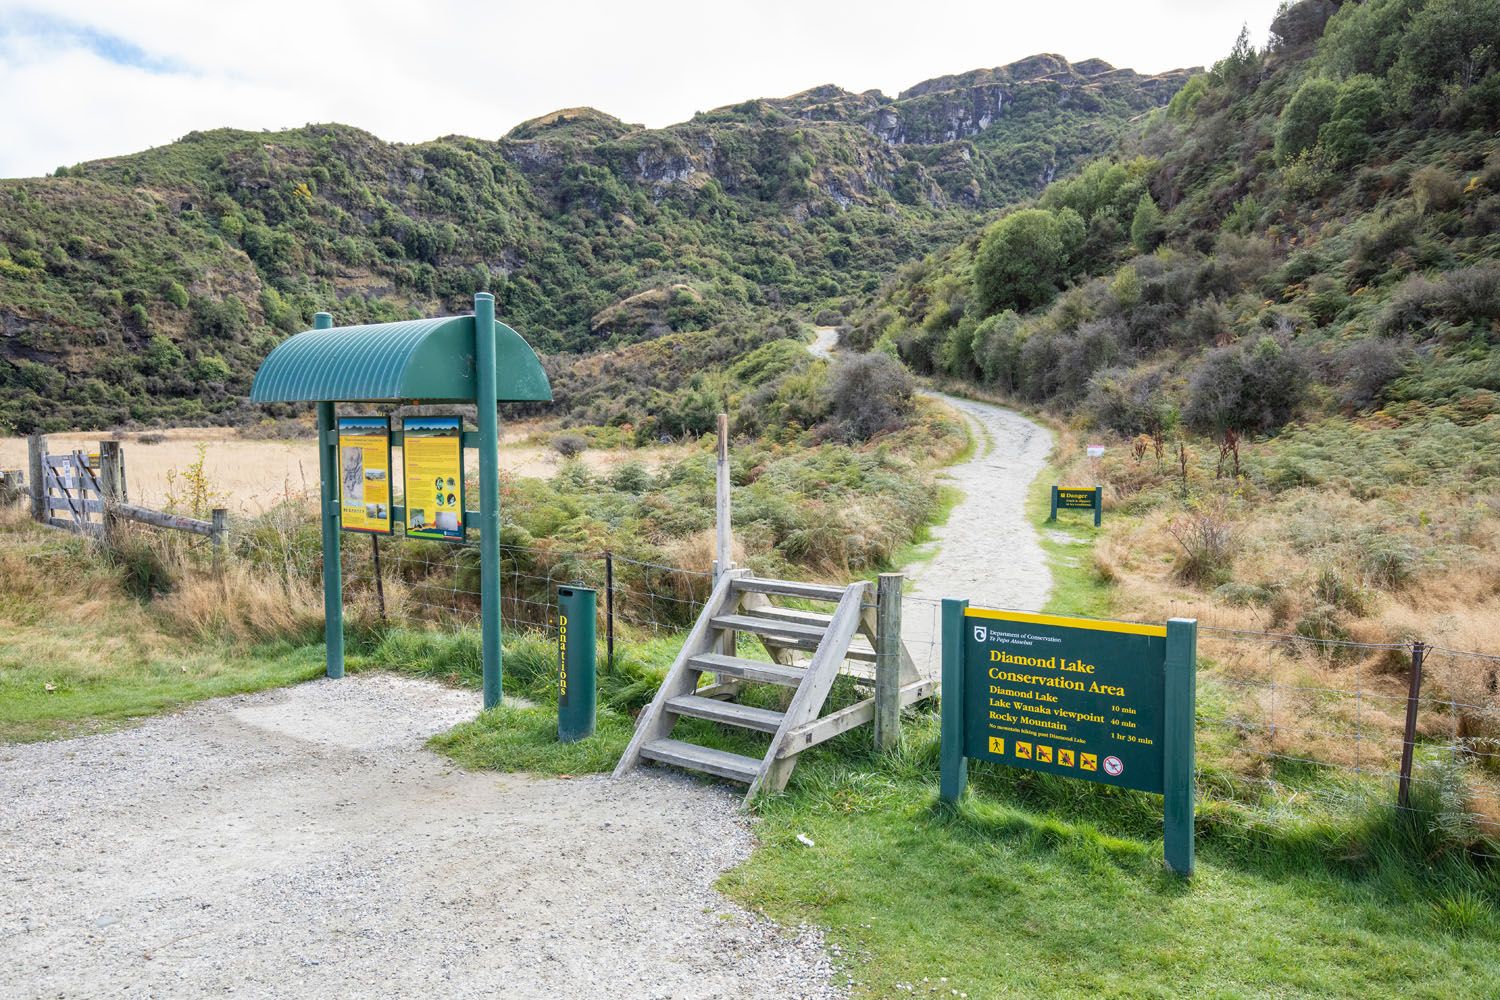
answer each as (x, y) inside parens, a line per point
(302, 842)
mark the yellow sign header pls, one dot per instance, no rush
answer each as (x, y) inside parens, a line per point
(1026, 618)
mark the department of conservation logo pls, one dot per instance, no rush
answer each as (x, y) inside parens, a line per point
(980, 633)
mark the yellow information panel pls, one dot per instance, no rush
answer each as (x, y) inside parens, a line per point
(433, 454)
(365, 474)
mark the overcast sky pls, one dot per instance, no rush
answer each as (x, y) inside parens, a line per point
(82, 79)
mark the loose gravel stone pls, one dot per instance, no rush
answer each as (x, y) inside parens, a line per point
(303, 842)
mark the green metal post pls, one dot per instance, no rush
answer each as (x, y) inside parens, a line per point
(577, 693)
(1098, 505)
(333, 572)
(955, 766)
(1053, 515)
(1179, 731)
(489, 495)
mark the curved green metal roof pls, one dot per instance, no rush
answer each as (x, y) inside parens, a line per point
(424, 359)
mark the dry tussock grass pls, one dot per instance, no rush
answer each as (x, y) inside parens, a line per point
(1312, 561)
(241, 605)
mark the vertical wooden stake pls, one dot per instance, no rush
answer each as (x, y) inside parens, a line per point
(609, 610)
(110, 489)
(379, 580)
(723, 536)
(1180, 734)
(723, 539)
(1409, 734)
(219, 537)
(36, 449)
(955, 766)
(888, 661)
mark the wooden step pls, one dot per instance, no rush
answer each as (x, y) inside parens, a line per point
(790, 588)
(720, 763)
(756, 671)
(768, 626)
(727, 712)
(864, 653)
(796, 615)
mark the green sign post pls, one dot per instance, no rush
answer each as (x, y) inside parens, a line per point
(1109, 702)
(450, 359)
(1078, 498)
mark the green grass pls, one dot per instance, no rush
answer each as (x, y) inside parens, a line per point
(1038, 887)
(1068, 545)
(50, 697)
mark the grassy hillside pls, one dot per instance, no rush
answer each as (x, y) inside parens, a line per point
(146, 287)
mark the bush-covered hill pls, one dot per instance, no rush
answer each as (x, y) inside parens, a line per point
(1278, 306)
(1312, 228)
(146, 287)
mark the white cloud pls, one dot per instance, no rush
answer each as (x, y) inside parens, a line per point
(410, 72)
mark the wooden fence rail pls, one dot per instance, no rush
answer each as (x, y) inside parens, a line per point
(68, 491)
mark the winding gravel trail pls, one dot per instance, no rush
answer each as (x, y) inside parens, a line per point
(304, 843)
(987, 551)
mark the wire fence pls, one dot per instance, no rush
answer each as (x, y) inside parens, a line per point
(1284, 721)
(1288, 721)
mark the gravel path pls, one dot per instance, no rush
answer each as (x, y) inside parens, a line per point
(986, 551)
(303, 843)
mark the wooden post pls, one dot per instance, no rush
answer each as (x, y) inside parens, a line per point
(36, 450)
(110, 488)
(888, 661)
(379, 577)
(1409, 734)
(220, 536)
(609, 610)
(723, 539)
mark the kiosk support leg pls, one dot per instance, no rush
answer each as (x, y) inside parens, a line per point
(333, 576)
(489, 494)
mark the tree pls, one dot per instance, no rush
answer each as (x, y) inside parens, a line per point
(1146, 225)
(1308, 111)
(1023, 260)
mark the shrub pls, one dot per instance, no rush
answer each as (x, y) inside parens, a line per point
(631, 477)
(997, 349)
(870, 394)
(1246, 390)
(1146, 229)
(174, 293)
(1208, 539)
(1365, 368)
(1433, 189)
(1468, 295)
(570, 445)
(1356, 113)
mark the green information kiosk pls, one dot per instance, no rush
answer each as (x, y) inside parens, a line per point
(451, 359)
